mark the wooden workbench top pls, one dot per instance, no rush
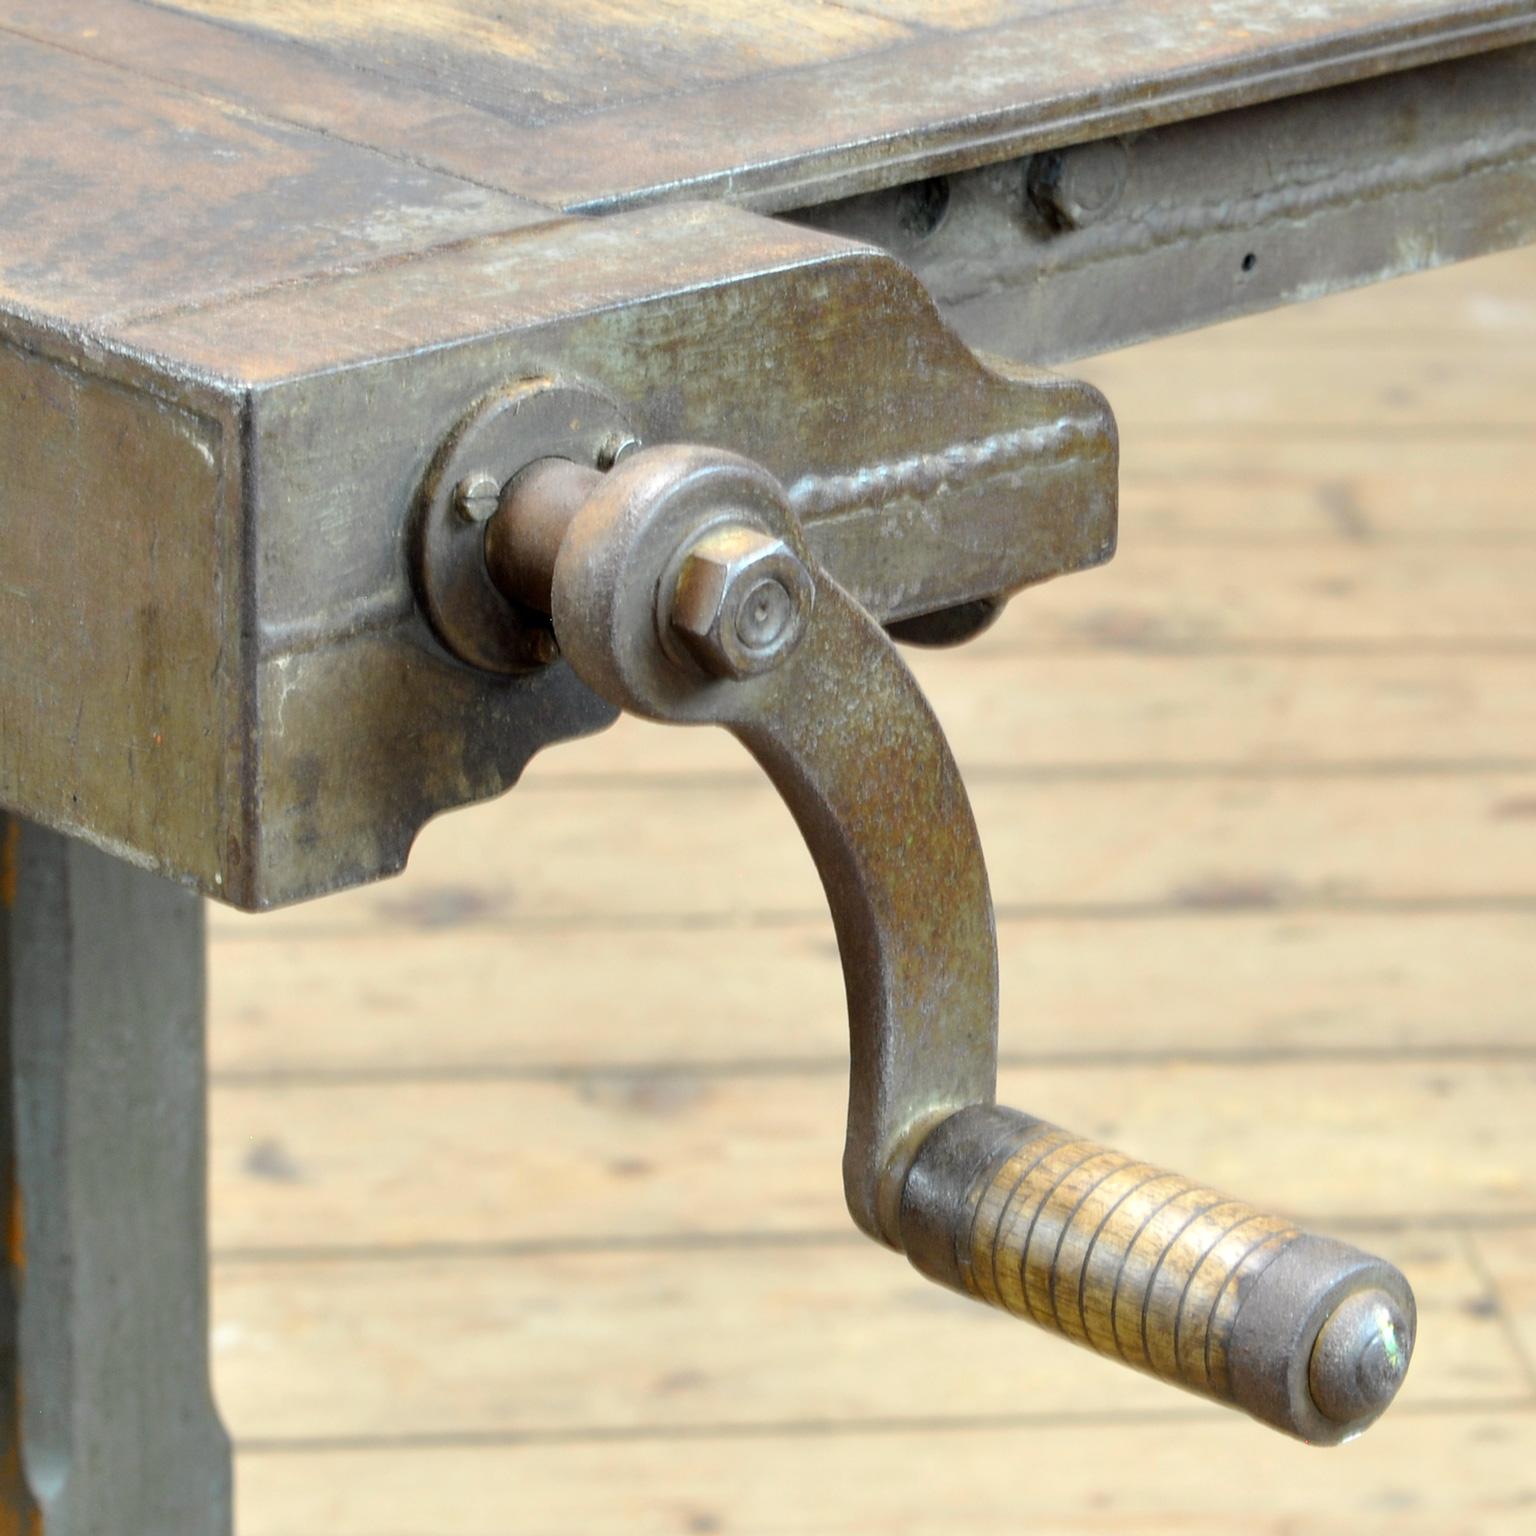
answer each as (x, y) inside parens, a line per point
(153, 153)
(581, 103)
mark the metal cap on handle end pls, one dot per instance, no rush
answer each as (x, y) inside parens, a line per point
(1361, 1356)
(1322, 1341)
(1306, 1334)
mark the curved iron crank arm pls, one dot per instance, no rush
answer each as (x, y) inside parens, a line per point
(680, 588)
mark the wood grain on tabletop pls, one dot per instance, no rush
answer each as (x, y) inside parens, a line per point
(525, 1165)
(580, 103)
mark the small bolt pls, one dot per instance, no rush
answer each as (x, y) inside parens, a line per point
(616, 447)
(1078, 187)
(741, 602)
(1360, 1357)
(477, 496)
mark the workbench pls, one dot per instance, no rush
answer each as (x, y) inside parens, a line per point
(260, 266)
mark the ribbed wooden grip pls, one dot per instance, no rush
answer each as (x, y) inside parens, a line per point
(1118, 1254)
(1142, 1265)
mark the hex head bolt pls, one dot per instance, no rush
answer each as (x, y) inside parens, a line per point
(741, 602)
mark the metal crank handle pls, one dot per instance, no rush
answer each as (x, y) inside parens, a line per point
(680, 588)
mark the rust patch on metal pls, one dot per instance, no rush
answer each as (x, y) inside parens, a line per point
(16, 1233)
(10, 850)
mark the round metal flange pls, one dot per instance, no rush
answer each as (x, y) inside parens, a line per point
(506, 431)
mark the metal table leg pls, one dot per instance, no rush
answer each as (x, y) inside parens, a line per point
(106, 1410)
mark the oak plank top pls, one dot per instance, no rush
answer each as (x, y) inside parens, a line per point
(159, 153)
(156, 154)
(782, 102)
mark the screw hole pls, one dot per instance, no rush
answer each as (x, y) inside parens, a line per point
(921, 208)
(1250, 261)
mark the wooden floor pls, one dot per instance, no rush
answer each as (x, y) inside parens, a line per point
(1260, 806)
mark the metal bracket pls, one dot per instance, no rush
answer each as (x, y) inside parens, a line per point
(309, 665)
(683, 587)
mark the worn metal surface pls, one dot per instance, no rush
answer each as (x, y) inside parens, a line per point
(1360, 1356)
(121, 646)
(105, 1409)
(591, 104)
(1091, 247)
(221, 667)
(1307, 1335)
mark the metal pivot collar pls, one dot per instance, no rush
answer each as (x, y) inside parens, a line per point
(681, 588)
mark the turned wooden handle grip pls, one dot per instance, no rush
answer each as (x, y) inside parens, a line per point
(1150, 1268)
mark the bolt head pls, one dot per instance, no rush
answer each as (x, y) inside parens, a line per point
(742, 601)
(477, 496)
(1360, 1357)
(1077, 187)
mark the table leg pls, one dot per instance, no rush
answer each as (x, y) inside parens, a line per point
(107, 1422)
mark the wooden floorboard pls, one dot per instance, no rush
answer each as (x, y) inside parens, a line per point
(501, 1346)
(1259, 801)
(1116, 846)
(651, 1156)
(1439, 1474)
(367, 1007)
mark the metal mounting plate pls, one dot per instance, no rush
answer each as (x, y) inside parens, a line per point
(502, 433)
